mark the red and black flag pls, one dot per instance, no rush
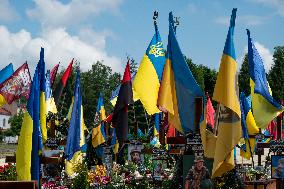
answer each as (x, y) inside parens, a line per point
(120, 114)
(53, 73)
(62, 83)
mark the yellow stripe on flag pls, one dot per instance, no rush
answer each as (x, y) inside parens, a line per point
(259, 103)
(43, 116)
(168, 99)
(24, 149)
(229, 127)
(2, 100)
(146, 84)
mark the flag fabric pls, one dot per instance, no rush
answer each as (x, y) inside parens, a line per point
(53, 74)
(43, 111)
(210, 113)
(120, 113)
(178, 87)
(226, 94)
(248, 127)
(30, 140)
(18, 84)
(158, 117)
(208, 138)
(100, 111)
(6, 72)
(50, 104)
(98, 133)
(114, 142)
(264, 106)
(75, 138)
(272, 128)
(114, 93)
(62, 83)
(147, 80)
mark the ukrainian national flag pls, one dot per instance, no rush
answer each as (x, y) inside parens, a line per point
(42, 95)
(30, 140)
(147, 80)
(264, 107)
(226, 93)
(98, 133)
(248, 127)
(75, 138)
(178, 87)
(100, 111)
(114, 142)
(6, 72)
(158, 117)
(50, 104)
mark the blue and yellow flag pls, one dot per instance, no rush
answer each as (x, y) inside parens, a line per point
(248, 127)
(264, 106)
(146, 83)
(178, 87)
(50, 104)
(75, 138)
(41, 64)
(114, 142)
(6, 72)
(98, 133)
(100, 111)
(158, 117)
(226, 94)
(30, 140)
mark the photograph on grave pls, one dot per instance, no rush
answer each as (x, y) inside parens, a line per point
(277, 166)
(134, 153)
(196, 172)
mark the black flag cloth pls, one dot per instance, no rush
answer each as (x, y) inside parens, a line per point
(120, 114)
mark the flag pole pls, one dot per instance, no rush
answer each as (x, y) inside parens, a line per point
(217, 119)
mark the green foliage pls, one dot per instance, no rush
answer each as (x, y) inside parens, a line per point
(244, 77)
(81, 180)
(8, 172)
(16, 123)
(99, 78)
(228, 180)
(276, 74)
(204, 76)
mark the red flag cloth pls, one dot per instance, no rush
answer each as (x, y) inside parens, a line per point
(120, 113)
(62, 83)
(272, 128)
(53, 73)
(210, 113)
(171, 131)
(17, 84)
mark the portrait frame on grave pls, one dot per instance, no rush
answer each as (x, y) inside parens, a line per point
(277, 166)
(189, 163)
(135, 154)
(160, 162)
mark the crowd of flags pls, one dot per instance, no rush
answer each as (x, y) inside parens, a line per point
(167, 89)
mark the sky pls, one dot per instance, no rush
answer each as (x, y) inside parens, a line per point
(111, 30)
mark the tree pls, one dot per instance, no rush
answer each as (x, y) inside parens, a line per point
(204, 76)
(244, 77)
(16, 124)
(276, 74)
(99, 78)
